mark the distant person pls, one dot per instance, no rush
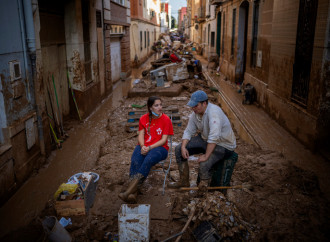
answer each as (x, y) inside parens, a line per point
(154, 128)
(215, 140)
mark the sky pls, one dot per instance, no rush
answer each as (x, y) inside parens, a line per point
(176, 5)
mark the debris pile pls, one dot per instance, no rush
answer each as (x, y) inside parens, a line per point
(223, 214)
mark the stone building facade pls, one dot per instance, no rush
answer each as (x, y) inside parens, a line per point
(48, 46)
(282, 49)
(145, 29)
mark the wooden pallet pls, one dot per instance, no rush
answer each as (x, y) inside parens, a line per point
(134, 116)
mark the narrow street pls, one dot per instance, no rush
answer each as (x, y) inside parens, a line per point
(283, 201)
(244, 83)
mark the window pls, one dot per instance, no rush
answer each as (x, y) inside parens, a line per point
(255, 33)
(212, 38)
(141, 40)
(148, 39)
(233, 32)
(208, 35)
(145, 39)
(223, 33)
(121, 2)
(98, 19)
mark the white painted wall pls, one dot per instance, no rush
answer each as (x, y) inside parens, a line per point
(136, 27)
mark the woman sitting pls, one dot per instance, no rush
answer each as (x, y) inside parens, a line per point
(154, 128)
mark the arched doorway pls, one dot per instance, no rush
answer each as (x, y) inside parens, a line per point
(243, 17)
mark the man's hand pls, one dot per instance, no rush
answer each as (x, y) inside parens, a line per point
(202, 158)
(144, 150)
(184, 153)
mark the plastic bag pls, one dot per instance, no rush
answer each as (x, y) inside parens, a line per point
(70, 188)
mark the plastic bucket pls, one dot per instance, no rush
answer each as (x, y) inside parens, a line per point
(95, 176)
(55, 231)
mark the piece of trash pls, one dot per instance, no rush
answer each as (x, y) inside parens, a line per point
(196, 76)
(111, 237)
(180, 98)
(136, 81)
(65, 222)
(138, 106)
(214, 89)
(174, 144)
(192, 158)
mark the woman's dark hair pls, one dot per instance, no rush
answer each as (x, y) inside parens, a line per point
(150, 102)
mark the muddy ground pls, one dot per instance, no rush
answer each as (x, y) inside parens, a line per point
(285, 202)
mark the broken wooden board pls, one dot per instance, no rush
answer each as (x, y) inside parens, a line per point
(70, 208)
(167, 110)
(173, 91)
(177, 72)
(131, 127)
(133, 117)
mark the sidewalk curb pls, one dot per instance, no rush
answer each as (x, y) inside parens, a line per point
(226, 106)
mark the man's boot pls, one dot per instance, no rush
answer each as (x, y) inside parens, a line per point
(131, 189)
(184, 176)
(203, 185)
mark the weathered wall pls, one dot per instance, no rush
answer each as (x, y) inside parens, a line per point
(277, 32)
(139, 53)
(17, 160)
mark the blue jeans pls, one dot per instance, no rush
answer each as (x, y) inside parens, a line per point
(143, 163)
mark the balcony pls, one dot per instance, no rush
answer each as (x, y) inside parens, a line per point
(217, 2)
(201, 14)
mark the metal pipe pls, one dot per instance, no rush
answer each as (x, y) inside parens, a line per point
(31, 41)
(29, 24)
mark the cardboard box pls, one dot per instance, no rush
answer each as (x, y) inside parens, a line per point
(70, 208)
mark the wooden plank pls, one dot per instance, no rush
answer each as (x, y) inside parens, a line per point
(131, 127)
(70, 208)
(168, 109)
(175, 116)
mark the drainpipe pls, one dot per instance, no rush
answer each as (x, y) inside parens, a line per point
(20, 11)
(31, 42)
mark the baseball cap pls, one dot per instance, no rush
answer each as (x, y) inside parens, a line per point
(197, 97)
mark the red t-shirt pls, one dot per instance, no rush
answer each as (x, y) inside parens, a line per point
(158, 127)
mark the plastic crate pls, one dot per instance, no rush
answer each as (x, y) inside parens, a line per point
(134, 222)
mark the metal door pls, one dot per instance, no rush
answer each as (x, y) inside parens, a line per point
(115, 59)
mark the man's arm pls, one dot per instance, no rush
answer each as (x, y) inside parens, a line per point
(184, 151)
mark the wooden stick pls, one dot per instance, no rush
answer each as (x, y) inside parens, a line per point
(187, 224)
(247, 186)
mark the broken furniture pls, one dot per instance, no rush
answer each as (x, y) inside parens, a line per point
(81, 200)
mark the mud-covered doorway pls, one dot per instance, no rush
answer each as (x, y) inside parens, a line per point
(243, 17)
